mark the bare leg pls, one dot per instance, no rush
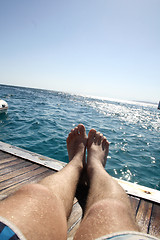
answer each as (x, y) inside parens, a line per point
(108, 209)
(41, 210)
(66, 180)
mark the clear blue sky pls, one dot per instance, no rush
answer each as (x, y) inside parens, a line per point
(107, 48)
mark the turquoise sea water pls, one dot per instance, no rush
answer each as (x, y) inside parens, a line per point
(40, 120)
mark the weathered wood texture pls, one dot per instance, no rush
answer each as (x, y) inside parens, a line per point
(147, 215)
(15, 172)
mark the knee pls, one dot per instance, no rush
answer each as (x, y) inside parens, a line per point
(37, 192)
(110, 209)
(33, 190)
(39, 204)
(106, 208)
(40, 197)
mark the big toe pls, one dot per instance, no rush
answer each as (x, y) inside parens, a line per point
(72, 134)
(81, 129)
(91, 136)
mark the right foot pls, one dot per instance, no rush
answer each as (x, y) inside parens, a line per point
(97, 148)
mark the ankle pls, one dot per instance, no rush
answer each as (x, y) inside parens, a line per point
(76, 163)
(94, 168)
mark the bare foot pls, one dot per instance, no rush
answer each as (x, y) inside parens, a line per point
(98, 148)
(76, 143)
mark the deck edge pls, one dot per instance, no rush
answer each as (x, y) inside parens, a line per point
(31, 156)
(137, 190)
(131, 188)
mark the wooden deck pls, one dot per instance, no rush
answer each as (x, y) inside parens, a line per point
(16, 171)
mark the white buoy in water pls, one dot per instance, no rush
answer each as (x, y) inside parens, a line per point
(3, 106)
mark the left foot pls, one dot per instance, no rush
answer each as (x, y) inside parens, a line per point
(76, 144)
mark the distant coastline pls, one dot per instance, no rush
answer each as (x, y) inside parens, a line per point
(145, 102)
(86, 95)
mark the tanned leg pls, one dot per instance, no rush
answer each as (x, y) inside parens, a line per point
(41, 210)
(108, 208)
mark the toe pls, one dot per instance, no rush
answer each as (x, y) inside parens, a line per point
(76, 130)
(98, 138)
(81, 129)
(91, 136)
(105, 143)
(69, 136)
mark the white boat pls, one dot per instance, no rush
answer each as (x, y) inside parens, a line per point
(3, 106)
(159, 105)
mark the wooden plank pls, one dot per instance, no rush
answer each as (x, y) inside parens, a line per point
(14, 167)
(75, 215)
(4, 155)
(1, 153)
(154, 228)
(33, 157)
(72, 232)
(13, 174)
(74, 220)
(144, 215)
(75, 200)
(134, 203)
(34, 179)
(6, 160)
(8, 164)
(8, 183)
(140, 191)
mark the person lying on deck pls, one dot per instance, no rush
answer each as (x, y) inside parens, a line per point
(40, 211)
